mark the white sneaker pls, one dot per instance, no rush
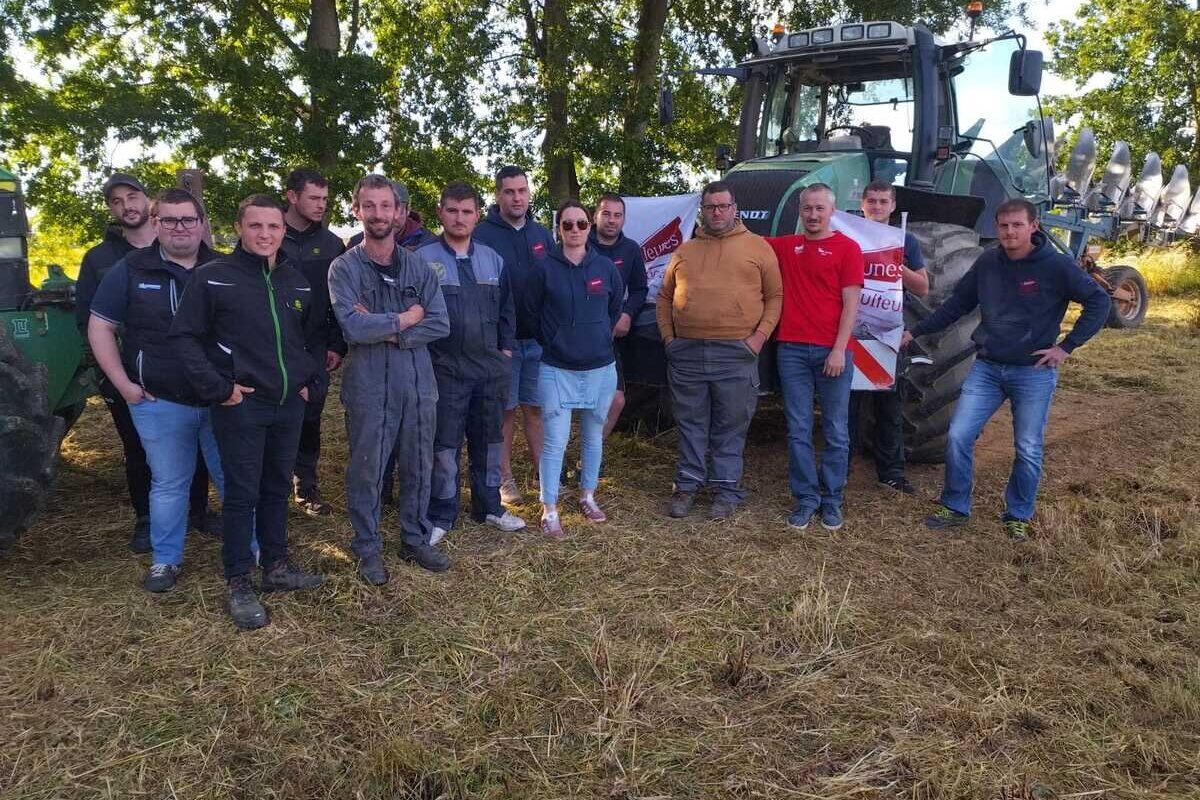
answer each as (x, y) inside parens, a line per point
(508, 521)
(436, 535)
(509, 493)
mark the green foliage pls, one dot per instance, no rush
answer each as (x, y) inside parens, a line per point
(49, 245)
(1145, 57)
(245, 90)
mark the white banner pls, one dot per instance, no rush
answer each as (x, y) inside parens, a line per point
(660, 225)
(880, 323)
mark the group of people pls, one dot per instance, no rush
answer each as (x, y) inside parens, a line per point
(217, 365)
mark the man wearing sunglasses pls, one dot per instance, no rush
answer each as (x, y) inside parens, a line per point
(130, 230)
(140, 295)
(720, 299)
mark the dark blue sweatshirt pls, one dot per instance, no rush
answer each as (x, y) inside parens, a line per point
(1022, 303)
(523, 251)
(576, 307)
(626, 254)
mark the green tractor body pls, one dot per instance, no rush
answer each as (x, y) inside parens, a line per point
(45, 378)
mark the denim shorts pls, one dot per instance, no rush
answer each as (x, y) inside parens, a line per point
(526, 361)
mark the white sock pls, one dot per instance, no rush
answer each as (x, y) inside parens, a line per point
(588, 497)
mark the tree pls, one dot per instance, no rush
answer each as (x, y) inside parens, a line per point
(1145, 57)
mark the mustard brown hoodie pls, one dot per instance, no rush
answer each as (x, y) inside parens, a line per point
(720, 286)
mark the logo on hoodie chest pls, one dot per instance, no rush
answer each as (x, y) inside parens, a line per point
(595, 286)
(1027, 287)
(538, 250)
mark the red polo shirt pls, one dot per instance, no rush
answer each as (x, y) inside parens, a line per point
(814, 273)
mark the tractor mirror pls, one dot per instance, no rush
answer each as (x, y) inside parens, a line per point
(1032, 133)
(666, 104)
(724, 157)
(1025, 73)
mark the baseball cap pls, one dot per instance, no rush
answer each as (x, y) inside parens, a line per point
(401, 192)
(121, 179)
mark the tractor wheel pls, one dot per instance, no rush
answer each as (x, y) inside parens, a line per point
(1127, 313)
(29, 439)
(931, 391)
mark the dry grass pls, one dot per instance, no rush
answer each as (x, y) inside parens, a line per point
(652, 658)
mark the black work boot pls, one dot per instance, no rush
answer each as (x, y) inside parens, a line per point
(285, 576)
(426, 556)
(722, 509)
(139, 542)
(310, 503)
(245, 610)
(372, 570)
(681, 504)
(210, 522)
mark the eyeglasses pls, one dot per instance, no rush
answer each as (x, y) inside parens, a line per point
(579, 225)
(175, 223)
(711, 207)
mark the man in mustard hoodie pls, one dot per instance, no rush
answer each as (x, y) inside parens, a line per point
(720, 299)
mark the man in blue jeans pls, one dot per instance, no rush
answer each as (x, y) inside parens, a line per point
(139, 295)
(1022, 289)
(822, 272)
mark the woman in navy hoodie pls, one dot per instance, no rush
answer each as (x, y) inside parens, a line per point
(576, 298)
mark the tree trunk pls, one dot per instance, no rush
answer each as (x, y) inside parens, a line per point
(322, 46)
(558, 155)
(635, 157)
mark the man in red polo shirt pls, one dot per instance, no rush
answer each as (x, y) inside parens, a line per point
(822, 273)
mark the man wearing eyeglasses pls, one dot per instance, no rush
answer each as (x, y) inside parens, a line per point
(720, 299)
(139, 296)
(131, 229)
(312, 247)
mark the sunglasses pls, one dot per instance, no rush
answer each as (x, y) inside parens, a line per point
(579, 225)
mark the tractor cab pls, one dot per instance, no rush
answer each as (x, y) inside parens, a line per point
(14, 254)
(957, 124)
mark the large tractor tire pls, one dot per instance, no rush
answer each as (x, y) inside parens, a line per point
(1127, 313)
(29, 438)
(931, 391)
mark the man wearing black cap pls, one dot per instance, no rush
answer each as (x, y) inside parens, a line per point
(126, 199)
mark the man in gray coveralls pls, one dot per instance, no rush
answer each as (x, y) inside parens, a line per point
(389, 306)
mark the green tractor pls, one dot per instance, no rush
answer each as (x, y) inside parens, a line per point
(45, 376)
(852, 103)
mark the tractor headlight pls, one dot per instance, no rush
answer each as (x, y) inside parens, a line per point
(822, 36)
(879, 31)
(798, 40)
(852, 33)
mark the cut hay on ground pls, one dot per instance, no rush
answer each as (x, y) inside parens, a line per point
(651, 658)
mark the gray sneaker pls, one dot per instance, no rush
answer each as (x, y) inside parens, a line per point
(161, 577)
(681, 504)
(372, 570)
(507, 522)
(425, 556)
(245, 609)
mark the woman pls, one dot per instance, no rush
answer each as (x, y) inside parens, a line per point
(576, 297)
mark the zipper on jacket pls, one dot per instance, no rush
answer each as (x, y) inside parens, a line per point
(174, 298)
(141, 380)
(278, 335)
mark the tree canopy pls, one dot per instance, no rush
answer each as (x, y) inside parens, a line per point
(426, 91)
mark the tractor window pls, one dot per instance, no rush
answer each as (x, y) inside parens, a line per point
(990, 122)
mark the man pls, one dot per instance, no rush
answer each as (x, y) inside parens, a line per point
(139, 295)
(822, 279)
(472, 365)
(1022, 289)
(249, 346)
(524, 245)
(407, 224)
(390, 308)
(131, 229)
(311, 247)
(608, 240)
(719, 302)
(878, 204)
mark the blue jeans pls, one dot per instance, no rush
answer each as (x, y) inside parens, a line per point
(988, 385)
(800, 377)
(556, 420)
(526, 360)
(171, 433)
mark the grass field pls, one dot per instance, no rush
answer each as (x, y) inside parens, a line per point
(651, 658)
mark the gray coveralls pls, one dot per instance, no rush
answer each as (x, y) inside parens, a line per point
(388, 388)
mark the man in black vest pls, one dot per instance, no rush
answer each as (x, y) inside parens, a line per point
(139, 295)
(131, 228)
(312, 247)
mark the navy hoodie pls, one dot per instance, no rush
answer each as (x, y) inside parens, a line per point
(1022, 303)
(626, 254)
(576, 307)
(523, 251)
